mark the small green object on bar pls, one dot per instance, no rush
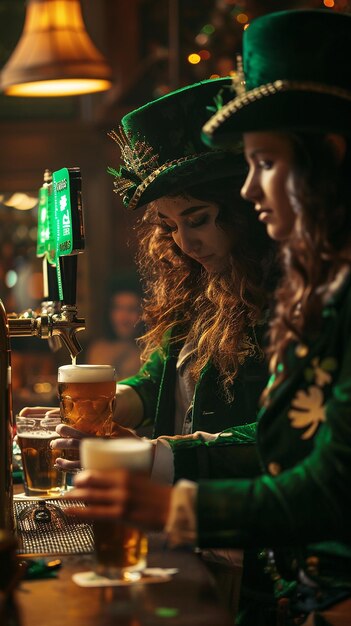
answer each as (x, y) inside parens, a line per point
(165, 611)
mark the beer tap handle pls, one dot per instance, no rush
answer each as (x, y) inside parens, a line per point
(68, 268)
(70, 241)
(52, 288)
(52, 304)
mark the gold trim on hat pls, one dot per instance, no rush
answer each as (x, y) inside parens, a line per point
(268, 90)
(149, 179)
(138, 158)
(238, 78)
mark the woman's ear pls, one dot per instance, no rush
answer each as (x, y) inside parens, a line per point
(338, 145)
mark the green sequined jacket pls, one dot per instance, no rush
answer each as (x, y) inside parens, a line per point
(303, 498)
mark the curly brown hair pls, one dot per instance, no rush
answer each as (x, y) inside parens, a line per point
(215, 312)
(320, 194)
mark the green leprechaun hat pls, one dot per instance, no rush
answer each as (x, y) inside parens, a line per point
(161, 148)
(296, 76)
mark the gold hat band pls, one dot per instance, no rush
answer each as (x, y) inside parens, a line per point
(151, 177)
(266, 90)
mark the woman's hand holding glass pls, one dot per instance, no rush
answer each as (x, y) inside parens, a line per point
(70, 439)
(120, 494)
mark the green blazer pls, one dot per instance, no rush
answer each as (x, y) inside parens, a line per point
(303, 499)
(155, 384)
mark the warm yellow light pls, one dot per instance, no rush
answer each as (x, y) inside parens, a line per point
(21, 201)
(58, 88)
(329, 3)
(194, 58)
(214, 76)
(54, 56)
(246, 26)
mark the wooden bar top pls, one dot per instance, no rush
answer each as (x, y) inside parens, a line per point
(189, 598)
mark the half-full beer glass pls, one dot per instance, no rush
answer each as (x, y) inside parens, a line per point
(41, 478)
(120, 549)
(86, 394)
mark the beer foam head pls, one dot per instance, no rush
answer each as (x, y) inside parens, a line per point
(86, 373)
(39, 434)
(110, 454)
(35, 426)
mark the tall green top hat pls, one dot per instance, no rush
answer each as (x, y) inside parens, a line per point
(297, 76)
(161, 147)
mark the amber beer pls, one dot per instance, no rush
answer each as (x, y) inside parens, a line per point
(120, 549)
(86, 394)
(41, 478)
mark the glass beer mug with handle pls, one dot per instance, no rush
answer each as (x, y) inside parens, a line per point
(120, 549)
(41, 477)
(87, 394)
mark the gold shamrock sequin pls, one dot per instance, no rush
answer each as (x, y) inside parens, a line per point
(307, 410)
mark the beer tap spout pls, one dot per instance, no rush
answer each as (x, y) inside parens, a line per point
(65, 326)
(69, 339)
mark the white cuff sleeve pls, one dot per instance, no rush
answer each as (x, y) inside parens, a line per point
(181, 523)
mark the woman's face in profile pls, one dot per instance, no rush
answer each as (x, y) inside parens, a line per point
(270, 159)
(193, 226)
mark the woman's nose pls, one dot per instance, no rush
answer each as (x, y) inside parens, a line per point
(250, 190)
(188, 241)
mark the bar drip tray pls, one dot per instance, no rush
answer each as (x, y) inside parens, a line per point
(43, 528)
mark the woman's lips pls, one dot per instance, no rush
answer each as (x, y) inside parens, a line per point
(204, 259)
(264, 215)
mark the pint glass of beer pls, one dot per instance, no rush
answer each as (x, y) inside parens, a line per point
(86, 394)
(120, 549)
(41, 478)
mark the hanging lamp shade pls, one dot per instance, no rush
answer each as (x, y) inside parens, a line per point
(54, 56)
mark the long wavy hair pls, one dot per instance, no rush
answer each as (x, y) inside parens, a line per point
(320, 194)
(213, 311)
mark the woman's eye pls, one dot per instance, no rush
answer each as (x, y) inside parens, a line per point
(167, 227)
(200, 221)
(265, 164)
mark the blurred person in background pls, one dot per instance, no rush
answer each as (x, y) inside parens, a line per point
(118, 345)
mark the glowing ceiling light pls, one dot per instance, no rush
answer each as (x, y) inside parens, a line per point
(55, 55)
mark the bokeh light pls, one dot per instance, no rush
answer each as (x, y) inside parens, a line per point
(194, 58)
(11, 278)
(205, 55)
(242, 18)
(208, 29)
(201, 39)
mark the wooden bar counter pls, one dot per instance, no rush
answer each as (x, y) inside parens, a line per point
(189, 598)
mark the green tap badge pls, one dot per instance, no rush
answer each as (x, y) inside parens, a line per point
(65, 228)
(46, 240)
(62, 211)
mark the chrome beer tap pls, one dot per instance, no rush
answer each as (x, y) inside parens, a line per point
(58, 320)
(64, 325)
